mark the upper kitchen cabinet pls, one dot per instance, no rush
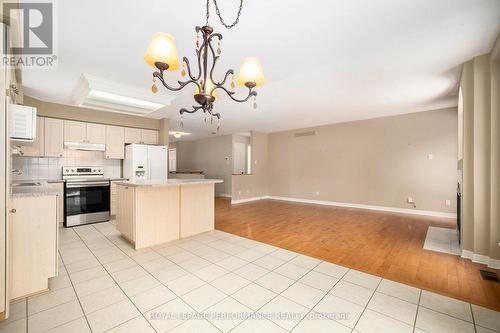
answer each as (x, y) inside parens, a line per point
(37, 147)
(53, 137)
(96, 133)
(150, 137)
(81, 132)
(133, 135)
(137, 135)
(75, 131)
(115, 142)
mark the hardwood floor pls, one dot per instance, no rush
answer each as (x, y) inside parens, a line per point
(380, 243)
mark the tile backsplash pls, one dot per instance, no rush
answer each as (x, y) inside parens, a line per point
(49, 168)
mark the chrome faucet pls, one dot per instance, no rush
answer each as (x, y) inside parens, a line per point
(19, 172)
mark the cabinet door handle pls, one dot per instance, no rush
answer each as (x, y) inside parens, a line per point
(13, 210)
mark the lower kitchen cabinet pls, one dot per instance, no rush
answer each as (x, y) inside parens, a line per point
(33, 238)
(59, 188)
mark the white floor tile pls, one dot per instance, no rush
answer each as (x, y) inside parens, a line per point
(152, 298)
(184, 284)
(399, 290)
(169, 315)
(446, 305)
(292, 271)
(157, 264)
(135, 325)
(230, 283)
(194, 264)
(303, 294)
(181, 256)
(79, 325)
(269, 262)
(374, 322)
(275, 282)
(139, 285)
(436, 322)
(102, 299)
(305, 261)
(91, 286)
(226, 314)
(331, 269)
(251, 272)
(284, 254)
(252, 325)
(362, 279)
(486, 317)
(87, 274)
(50, 299)
(283, 312)
(480, 329)
(251, 255)
(316, 323)
(394, 307)
(210, 272)
(119, 265)
(15, 326)
(145, 256)
(60, 281)
(129, 274)
(170, 273)
(112, 316)
(81, 265)
(232, 263)
(203, 297)
(53, 317)
(338, 309)
(254, 296)
(352, 292)
(319, 280)
(191, 326)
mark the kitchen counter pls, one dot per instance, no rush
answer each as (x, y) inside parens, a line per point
(150, 213)
(168, 182)
(33, 191)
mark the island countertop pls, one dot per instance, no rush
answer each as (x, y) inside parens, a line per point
(168, 182)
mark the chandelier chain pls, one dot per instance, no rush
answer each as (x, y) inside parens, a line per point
(217, 10)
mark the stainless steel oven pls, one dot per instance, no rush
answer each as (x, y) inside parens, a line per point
(87, 196)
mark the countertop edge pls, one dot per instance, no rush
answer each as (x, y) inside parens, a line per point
(176, 183)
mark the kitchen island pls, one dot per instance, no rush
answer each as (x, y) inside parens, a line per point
(149, 213)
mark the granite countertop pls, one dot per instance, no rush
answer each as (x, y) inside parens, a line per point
(168, 182)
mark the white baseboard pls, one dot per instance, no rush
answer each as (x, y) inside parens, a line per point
(370, 207)
(481, 259)
(225, 195)
(238, 201)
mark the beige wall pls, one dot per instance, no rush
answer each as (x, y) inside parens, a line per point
(480, 83)
(376, 162)
(62, 111)
(210, 155)
(255, 184)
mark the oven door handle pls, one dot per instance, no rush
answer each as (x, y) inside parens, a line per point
(86, 184)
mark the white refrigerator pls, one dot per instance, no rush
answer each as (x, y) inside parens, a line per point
(145, 162)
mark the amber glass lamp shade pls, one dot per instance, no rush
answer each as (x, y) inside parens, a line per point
(162, 48)
(251, 71)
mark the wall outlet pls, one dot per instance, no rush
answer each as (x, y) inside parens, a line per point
(239, 192)
(448, 202)
(430, 156)
(410, 200)
(317, 194)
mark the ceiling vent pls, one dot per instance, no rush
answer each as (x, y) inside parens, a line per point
(302, 134)
(100, 94)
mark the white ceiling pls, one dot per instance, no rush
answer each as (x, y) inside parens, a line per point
(325, 61)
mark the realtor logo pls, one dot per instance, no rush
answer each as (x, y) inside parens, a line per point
(34, 44)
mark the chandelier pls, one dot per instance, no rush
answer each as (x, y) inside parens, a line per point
(162, 54)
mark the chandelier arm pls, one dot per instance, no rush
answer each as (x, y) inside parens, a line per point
(195, 109)
(231, 93)
(214, 61)
(159, 76)
(186, 61)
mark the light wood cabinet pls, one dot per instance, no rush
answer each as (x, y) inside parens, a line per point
(75, 131)
(145, 136)
(150, 137)
(59, 188)
(96, 133)
(115, 142)
(132, 135)
(113, 198)
(197, 209)
(125, 218)
(81, 132)
(53, 137)
(37, 148)
(33, 236)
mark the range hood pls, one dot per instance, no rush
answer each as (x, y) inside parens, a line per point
(84, 146)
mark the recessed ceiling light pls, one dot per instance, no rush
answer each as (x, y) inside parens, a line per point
(177, 134)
